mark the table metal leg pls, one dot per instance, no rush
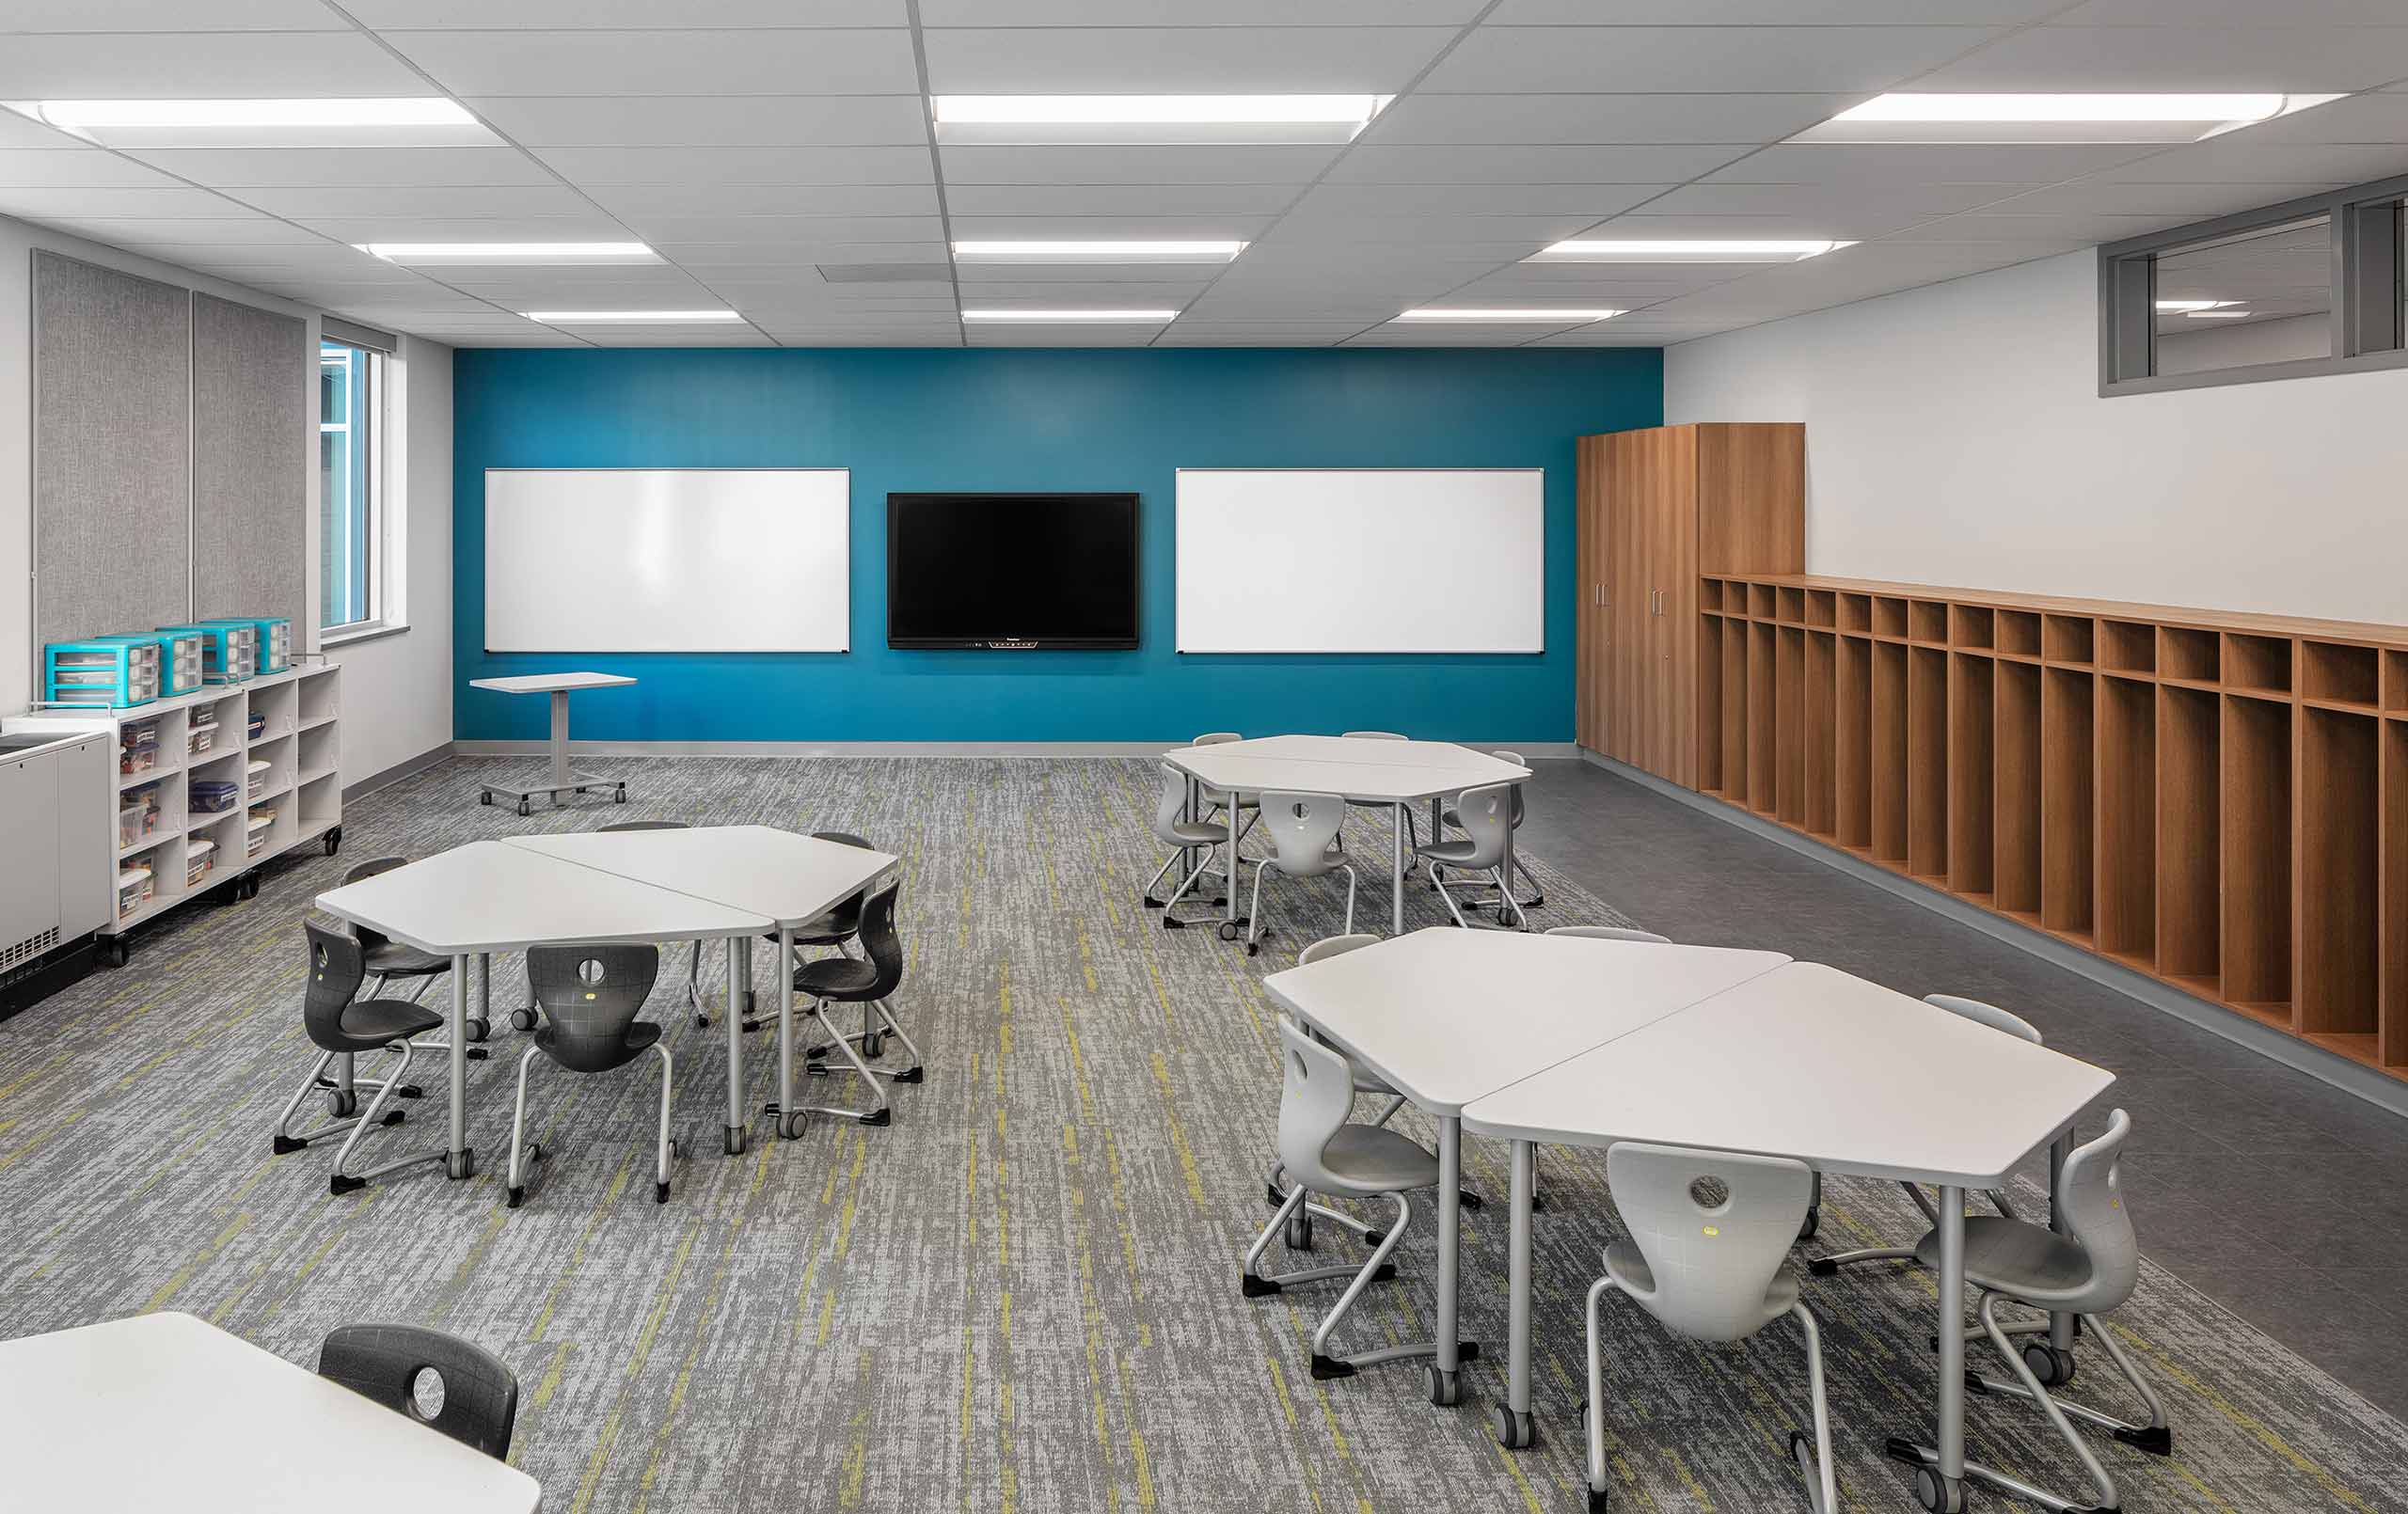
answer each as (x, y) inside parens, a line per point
(1443, 1382)
(2060, 1325)
(789, 1119)
(739, 955)
(459, 1161)
(1229, 879)
(1396, 879)
(560, 738)
(1514, 1429)
(1951, 1443)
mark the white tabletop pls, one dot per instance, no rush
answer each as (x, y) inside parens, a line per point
(492, 896)
(549, 683)
(1812, 1062)
(1373, 749)
(790, 878)
(1382, 771)
(161, 1411)
(1413, 1009)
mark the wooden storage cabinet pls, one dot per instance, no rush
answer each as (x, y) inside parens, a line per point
(1659, 507)
(2220, 801)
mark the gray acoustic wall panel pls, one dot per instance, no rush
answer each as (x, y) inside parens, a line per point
(112, 451)
(251, 426)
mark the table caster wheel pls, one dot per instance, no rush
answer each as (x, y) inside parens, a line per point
(620, 797)
(523, 809)
(518, 1196)
(342, 1103)
(522, 1019)
(872, 1046)
(1813, 1222)
(1299, 1235)
(2054, 1367)
(334, 841)
(1228, 930)
(478, 1029)
(1939, 1494)
(1514, 1431)
(661, 1193)
(1446, 1389)
(486, 797)
(460, 1164)
(731, 1140)
(790, 1126)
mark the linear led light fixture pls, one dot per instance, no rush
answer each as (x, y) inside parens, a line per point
(2052, 117)
(596, 253)
(581, 318)
(91, 114)
(2216, 315)
(1150, 318)
(2191, 307)
(1096, 252)
(1146, 119)
(1557, 318)
(1680, 250)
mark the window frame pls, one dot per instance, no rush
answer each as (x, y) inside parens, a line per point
(385, 613)
(2367, 299)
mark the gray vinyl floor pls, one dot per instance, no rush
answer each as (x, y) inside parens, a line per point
(1023, 1294)
(2279, 1197)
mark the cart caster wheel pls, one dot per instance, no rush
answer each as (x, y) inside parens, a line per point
(1514, 1431)
(518, 1196)
(486, 797)
(1813, 1222)
(1299, 1235)
(872, 1046)
(1939, 1494)
(522, 1019)
(523, 808)
(1228, 930)
(732, 1140)
(620, 797)
(2054, 1367)
(334, 841)
(790, 1126)
(661, 1193)
(342, 1103)
(702, 1022)
(112, 951)
(1446, 1389)
(478, 1027)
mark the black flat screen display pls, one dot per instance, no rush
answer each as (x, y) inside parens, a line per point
(1012, 571)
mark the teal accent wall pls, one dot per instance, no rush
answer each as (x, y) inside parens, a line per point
(1035, 419)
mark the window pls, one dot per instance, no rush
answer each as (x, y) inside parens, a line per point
(351, 487)
(2307, 287)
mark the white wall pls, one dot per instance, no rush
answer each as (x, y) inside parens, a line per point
(1955, 436)
(397, 700)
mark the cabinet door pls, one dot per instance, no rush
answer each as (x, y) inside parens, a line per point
(1589, 679)
(1625, 596)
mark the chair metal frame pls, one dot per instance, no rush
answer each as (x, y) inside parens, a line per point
(1304, 836)
(1487, 831)
(1442, 815)
(1185, 837)
(882, 946)
(338, 968)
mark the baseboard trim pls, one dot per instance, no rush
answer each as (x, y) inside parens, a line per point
(2378, 1088)
(406, 768)
(903, 749)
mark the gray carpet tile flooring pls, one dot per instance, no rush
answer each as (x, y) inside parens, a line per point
(1023, 1294)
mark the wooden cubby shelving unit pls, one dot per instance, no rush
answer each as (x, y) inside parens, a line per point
(2219, 801)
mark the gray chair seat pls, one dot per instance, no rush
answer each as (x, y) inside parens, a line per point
(1628, 1265)
(836, 977)
(1448, 851)
(2022, 1261)
(391, 959)
(1196, 832)
(584, 1055)
(378, 1022)
(1378, 1159)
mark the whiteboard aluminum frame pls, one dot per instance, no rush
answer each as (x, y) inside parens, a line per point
(845, 552)
(1183, 650)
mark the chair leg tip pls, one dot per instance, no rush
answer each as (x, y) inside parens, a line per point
(1385, 1274)
(285, 1145)
(1329, 1368)
(908, 1075)
(1823, 1267)
(1255, 1287)
(878, 1117)
(339, 1185)
(2158, 1440)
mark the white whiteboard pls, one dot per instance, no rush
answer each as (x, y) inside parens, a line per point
(1371, 560)
(668, 560)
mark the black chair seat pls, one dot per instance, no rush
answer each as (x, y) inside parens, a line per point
(376, 1022)
(837, 977)
(584, 1055)
(834, 928)
(391, 959)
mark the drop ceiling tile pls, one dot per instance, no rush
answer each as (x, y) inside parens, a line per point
(2120, 198)
(708, 258)
(1771, 12)
(354, 230)
(1874, 165)
(1109, 227)
(2182, 58)
(813, 61)
(186, 231)
(1176, 12)
(238, 167)
(1066, 164)
(2241, 158)
(76, 168)
(1082, 291)
(2026, 225)
(1178, 59)
(1531, 165)
(649, 202)
(2232, 14)
(1466, 119)
(450, 202)
(18, 130)
(1119, 199)
(1854, 224)
(1752, 59)
(2380, 118)
(896, 165)
(1892, 206)
(200, 65)
(708, 120)
(168, 16)
(657, 229)
(414, 15)
(1531, 231)
(43, 201)
(1569, 201)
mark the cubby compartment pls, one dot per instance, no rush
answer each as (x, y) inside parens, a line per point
(1927, 762)
(2394, 680)
(2340, 873)
(2128, 820)
(2068, 861)
(1887, 829)
(2015, 846)
(2186, 655)
(1763, 749)
(1971, 626)
(1709, 702)
(1820, 610)
(318, 803)
(1927, 621)
(1789, 719)
(2126, 647)
(1852, 743)
(1890, 618)
(2257, 664)
(2189, 819)
(1734, 711)
(2340, 674)
(1855, 612)
(2019, 633)
(1816, 804)
(1972, 774)
(321, 699)
(1760, 601)
(278, 705)
(314, 748)
(1792, 604)
(2395, 895)
(2065, 638)
(2256, 801)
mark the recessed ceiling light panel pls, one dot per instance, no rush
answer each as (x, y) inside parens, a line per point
(1508, 315)
(1096, 252)
(1676, 250)
(1142, 118)
(1913, 117)
(1150, 318)
(593, 253)
(584, 318)
(328, 122)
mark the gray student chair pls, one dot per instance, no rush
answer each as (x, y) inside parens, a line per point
(1217, 803)
(1412, 833)
(2086, 1272)
(1446, 820)
(591, 994)
(1326, 1154)
(342, 1024)
(839, 926)
(1304, 844)
(1183, 836)
(1981, 1014)
(866, 981)
(1710, 1233)
(1485, 814)
(476, 1396)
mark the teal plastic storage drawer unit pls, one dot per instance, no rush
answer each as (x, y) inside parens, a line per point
(273, 649)
(229, 648)
(105, 672)
(179, 658)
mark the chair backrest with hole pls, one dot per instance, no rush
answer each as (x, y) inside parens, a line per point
(1329, 946)
(475, 1395)
(882, 943)
(589, 993)
(1375, 735)
(1316, 1095)
(337, 966)
(1610, 932)
(1169, 806)
(1989, 1015)
(1515, 758)
(1486, 814)
(2090, 1197)
(1301, 826)
(369, 869)
(644, 825)
(1214, 738)
(1714, 1227)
